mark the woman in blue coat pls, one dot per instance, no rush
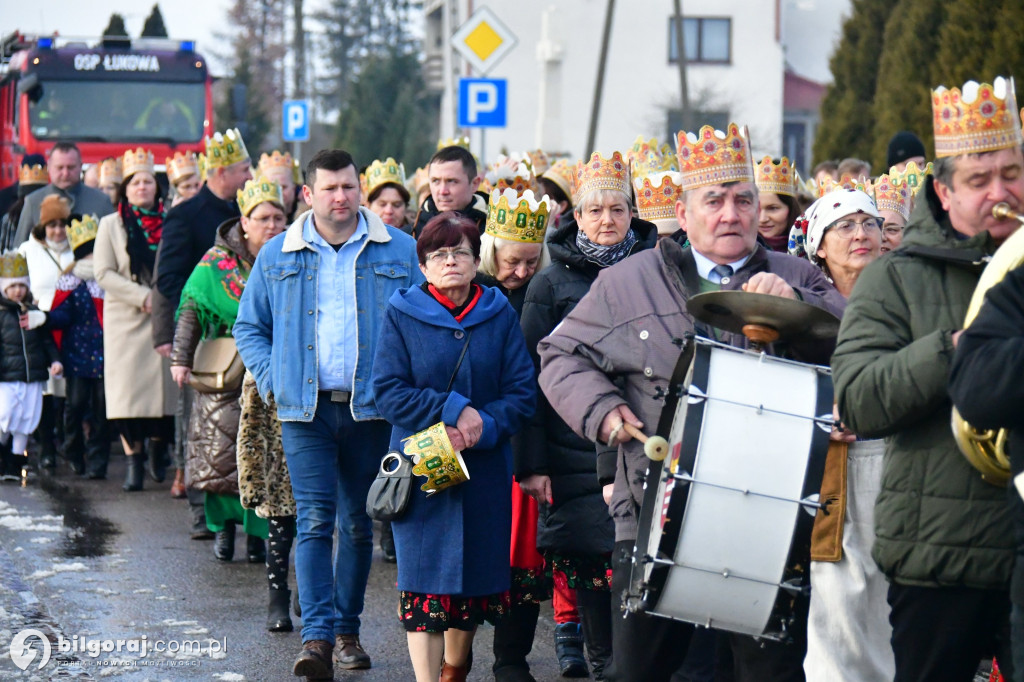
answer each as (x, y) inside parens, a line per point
(453, 547)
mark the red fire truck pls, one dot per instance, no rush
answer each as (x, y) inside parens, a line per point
(108, 96)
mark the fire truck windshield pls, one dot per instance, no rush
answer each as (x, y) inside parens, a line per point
(112, 111)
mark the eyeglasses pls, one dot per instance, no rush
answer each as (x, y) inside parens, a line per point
(443, 255)
(847, 228)
(892, 231)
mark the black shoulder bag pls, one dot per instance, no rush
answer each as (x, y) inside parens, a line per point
(390, 491)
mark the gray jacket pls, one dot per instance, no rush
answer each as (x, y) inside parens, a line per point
(83, 200)
(624, 329)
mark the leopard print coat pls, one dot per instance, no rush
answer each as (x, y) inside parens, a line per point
(263, 481)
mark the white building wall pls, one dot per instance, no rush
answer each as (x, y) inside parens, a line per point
(640, 83)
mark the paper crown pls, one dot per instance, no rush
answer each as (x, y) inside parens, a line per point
(453, 142)
(912, 176)
(277, 161)
(601, 173)
(539, 161)
(111, 171)
(420, 181)
(979, 118)
(562, 173)
(137, 160)
(643, 148)
(891, 195)
(82, 231)
(13, 265)
(225, 149)
(517, 217)
(657, 194)
(713, 157)
(779, 178)
(33, 175)
(846, 182)
(201, 158)
(503, 175)
(181, 165)
(257, 191)
(380, 172)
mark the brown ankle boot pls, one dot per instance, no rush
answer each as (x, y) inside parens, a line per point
(449, 673)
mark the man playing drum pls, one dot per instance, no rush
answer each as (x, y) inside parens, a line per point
(943, 535)
(611, 358)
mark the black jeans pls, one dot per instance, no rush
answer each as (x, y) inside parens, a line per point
(85, 403)
(940, 634)
(644, 648)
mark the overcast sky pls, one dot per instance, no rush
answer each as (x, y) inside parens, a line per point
(185, 19)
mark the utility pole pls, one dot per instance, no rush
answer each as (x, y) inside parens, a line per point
(299, 50)
(595, 109)
(684, 95)
(448, 94)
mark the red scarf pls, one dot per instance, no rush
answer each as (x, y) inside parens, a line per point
(447, 303)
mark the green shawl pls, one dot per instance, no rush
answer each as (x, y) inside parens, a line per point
(214, 289)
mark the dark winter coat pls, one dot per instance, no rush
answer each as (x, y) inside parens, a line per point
(618, 347)
(457, 541)
(189, 230)
(213, 424)
(78, 312)
(476, 211)
(577, 521)
(986, 387)
(25, 354)
(937, 524)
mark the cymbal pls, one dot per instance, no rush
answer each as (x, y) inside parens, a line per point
(793, 319)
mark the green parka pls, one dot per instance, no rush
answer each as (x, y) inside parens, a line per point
(936, 522)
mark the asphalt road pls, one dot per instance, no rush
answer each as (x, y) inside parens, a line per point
(83, 559)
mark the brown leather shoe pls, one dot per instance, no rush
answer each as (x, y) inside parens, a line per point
(449, 673)
(314, 663)
(349, 653)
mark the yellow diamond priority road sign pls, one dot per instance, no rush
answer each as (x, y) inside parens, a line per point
(483, 40)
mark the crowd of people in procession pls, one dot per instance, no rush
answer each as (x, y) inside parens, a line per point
(269, 334)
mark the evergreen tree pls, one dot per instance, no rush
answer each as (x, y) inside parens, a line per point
(154, 26)
(387, 112)
(964, 40)
(902, 99)
(1005, 51)
(115, 27)
(846, 127)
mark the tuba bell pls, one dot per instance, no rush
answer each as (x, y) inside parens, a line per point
(986, 449)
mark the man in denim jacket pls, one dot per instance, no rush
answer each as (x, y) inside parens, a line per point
(307, 325)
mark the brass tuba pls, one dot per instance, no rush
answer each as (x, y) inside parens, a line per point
(986, 449)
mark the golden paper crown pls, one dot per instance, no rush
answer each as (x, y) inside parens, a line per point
(890, 195)
(779, 178)
(181, 165)
(137, 160)
(420, 181)
(225, 149)
(517, 217)
(562, 173)
(657, 194)
(201, 158)
(380, 172)
(257, 191)
(713, 157)
(82, 231)
(453, 142)
(979, 118)
(111, 171)
(33, 175)
(846, 182)
(643, 148)
(539, 161)
(13, 265)
(601, 173)
(911, 176)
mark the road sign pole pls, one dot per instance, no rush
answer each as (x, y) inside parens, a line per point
(447, 123)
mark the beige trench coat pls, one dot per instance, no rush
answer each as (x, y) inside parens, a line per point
(137, 380)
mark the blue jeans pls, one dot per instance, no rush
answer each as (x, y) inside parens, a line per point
(332, 461)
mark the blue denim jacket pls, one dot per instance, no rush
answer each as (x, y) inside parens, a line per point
(276, 326)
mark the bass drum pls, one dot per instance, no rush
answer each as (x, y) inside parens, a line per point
(721, 540)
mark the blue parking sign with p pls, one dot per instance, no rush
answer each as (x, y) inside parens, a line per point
(295, 120)
(483, 102)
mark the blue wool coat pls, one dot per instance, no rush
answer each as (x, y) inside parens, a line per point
(457, 541)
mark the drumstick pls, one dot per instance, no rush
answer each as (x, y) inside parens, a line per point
(655, 447)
